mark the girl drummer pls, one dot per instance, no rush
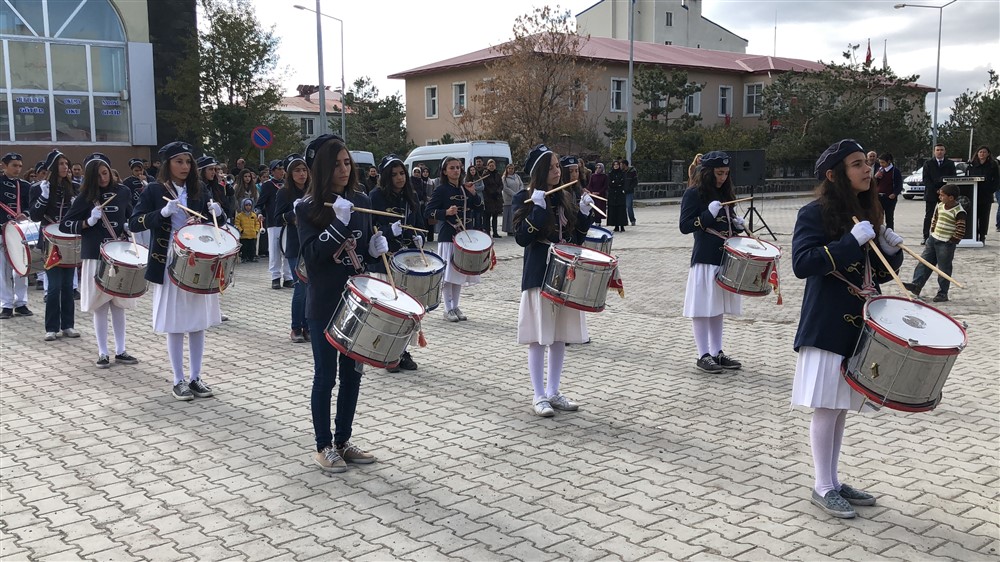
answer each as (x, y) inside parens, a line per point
(394, 195)
(95, 226)
(176, 311)
(454, 205)
(50, 200)
(285, 201)
(711, 222)
(335, 244)
(540, 221)
(830, 252)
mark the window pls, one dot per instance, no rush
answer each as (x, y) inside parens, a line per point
(618, 94)
(431, 102)
(692, 104)
(306, 126)
(882, 104)
(458, 94)
(670, 19)
(753, 100)
(725, 100)
(668, 42)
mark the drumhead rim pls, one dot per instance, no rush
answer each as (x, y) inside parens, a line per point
(105, 255)
(58, 234)
(380, 304)
(443, 263)
(198, 254)
(756, 257)
(612, 260)
(924, 349)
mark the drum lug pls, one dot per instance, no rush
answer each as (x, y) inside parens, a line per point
(874, 371)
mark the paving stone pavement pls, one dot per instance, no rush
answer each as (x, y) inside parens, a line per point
(661, 462)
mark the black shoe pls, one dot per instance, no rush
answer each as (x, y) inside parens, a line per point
(125, 359)
(39, 285)
(296, 336)
(727, 362)
(200, 389)
(287, 284)
(23, 311)
(923, 242)
(708, 364)
(940, 297)
(633, 223)
(495, 235)
(103, 362)
(182, 391)
(275, 283)
(855, 496)
(6, 313)
(76, 294)
(407, 363)
(305, 334)
(912, 287)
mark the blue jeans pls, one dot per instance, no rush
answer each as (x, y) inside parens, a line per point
(298, 297)
(628, 207)
(327, 361)
(59, 305)
(940, 254)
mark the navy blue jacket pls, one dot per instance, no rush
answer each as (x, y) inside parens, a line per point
(831, 316)
(529, 235)
(14, 194)
(695, 218)
(266, 202)
(117, 211)
(286, 217)
(446, 195)
(135, 186)
(39, 205)
(393, 203)
(317, 245)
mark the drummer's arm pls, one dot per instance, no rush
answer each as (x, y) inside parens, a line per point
(531, 228)
(317, 245)
(76, 218)
(438, 204)
(694, 216)
(36, 203)
(813, 254)
(146, 214)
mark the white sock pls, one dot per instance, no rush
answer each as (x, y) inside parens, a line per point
(838, 440)
(118, 324)
(700, 326)
(76, 279)
(175, 350)
(822, 432)
(449, 303)
(456, 294)
(715, 334)
(101, 328)
(196, 343)
(536, 368)
(557, 353)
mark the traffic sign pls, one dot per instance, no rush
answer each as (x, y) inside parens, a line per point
(261, 137)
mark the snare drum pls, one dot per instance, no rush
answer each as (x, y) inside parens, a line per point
(578, 277)
(598, 239)
(202, 262)
(419, 275)
(746, 266)
(122, 270)
(371, 325)
(473, 252)
(904, 354)
(21, 242)
(68, 245)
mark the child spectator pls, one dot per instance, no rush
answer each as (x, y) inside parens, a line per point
(947, 230)
(248, 223)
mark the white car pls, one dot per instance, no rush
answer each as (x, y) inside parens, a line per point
(913, 184)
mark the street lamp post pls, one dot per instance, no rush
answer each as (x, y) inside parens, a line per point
(937, 73)
(322, 87)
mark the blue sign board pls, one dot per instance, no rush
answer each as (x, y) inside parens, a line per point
(261, 137)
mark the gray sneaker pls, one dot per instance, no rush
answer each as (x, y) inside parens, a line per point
(855, 496)
(450, 316)
(329, 460)
(560, 402)
(182, 391)
(71, 333)
(834, 504)
(200, 389)
(461, 315)
(543, 408)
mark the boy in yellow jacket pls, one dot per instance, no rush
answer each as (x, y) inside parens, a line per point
(248, 223)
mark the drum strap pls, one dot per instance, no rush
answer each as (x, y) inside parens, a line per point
(107, 225)
(349, 246)
(868, 289)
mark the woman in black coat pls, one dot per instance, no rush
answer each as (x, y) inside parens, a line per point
(617, 216)
(984, 165)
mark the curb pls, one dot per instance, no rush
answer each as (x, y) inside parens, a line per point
(677, 200)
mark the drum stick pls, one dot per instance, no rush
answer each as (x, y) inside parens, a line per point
(423, 255)
(215, 221)
(929, 264)
(106, 201)
(372, 212)
(414, 228)
(599, 211)
(596, 196)
(735, 201)
(135, 246)
(560, 188)
(388, 272)
(187, 210)
(885, 262)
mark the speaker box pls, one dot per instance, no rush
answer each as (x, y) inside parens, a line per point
(746, 167)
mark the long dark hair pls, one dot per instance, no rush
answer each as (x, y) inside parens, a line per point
(191, 183)
(407, 193)
(290, 183)
(320, 189)
(245, 190)
(539, 180)
(707, 190)
(66, 184)
(840, 203)
(91, 190)
(444, 167)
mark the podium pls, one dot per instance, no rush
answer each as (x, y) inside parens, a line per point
(969, 187)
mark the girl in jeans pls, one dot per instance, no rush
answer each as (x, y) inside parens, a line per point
(296, 185)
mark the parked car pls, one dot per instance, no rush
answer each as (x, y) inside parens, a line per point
(913, 184)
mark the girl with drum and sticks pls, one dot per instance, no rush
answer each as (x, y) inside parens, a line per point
(454, 204)
(50, 201)
(335, 244)
(395, 195)
(711, 222)
(541, 220)
(174, 200)
(830, 252)
(98, 215)
(285, 201)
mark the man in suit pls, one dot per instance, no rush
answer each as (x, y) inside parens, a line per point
(934, 170)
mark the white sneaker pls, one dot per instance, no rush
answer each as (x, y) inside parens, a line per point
(71, 333)
(50, 336)
(461, 316)
(450, 316)
(543, 408)
(560, 402)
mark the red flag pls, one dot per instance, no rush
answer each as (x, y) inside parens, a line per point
(775, 282)
(493, 259)
(868, 57)
(54, 259)
(616, 283)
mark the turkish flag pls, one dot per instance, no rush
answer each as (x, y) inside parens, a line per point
(616, 283)
(775, 282)
(868, 57)
(54, 259)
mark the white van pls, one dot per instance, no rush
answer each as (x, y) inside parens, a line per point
(467, 152)
(363, 160)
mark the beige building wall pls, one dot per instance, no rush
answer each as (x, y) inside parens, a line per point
(135, 18)
(666, 22)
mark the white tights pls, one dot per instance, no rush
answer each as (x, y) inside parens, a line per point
(450, 293)
(826, 434)
(707, 334)
(536, 368)
(175, 350)
(101, 328)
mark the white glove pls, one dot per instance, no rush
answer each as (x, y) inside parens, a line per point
(378, 245)
(889, 241)
(714, 207)
(296, 202)
(215, 209)
(586, 203)
(418, 240)
(397, 228)
(44, 185)
(95, 215)
(538, 198)
(738, 223)
(170, 208)
(342, 208)
(863, 232)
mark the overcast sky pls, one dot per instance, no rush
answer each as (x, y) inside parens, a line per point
(383, 37)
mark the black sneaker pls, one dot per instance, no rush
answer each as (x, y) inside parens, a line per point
(305, 334)
(407, 363)
(275, 283)
(855, 496)
(182, 391)
(200, 389)
(727, 362)
(912, 287)
(940, 297)
(125, 359)
(23, 311)
(296, 336)
(6, 313)
(76, 294)
(708, 364)
(833, 504)
(287, 284)
(103, 362)
(39, 285)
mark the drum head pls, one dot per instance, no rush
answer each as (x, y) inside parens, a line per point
(381, 292)
(17, 253)
(201, 238)
(52, 231)
(570, 251)
(752, 247)
(126, 253)
(474, 240)
(599, 234)
(914, 321)
(411, 261)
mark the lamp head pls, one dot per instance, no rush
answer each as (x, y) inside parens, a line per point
(299, 7)
(897, 6)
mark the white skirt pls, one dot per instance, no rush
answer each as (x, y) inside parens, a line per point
(705, 298)
(92, 298)
(452, 275)
(819, 384)
(176, 311)
(542, 321)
